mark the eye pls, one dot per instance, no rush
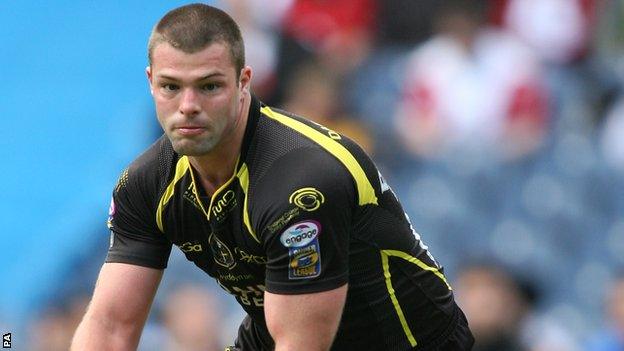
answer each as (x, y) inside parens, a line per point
(170, 87)
(210, 87)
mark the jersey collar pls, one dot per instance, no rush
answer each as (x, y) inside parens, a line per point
(250, 129)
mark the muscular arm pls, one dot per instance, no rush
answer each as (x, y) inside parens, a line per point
(306, 322)
(121, 302)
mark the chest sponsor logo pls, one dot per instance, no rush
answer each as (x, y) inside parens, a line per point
(221, 253)
(307, 199)
(250, 295)
(304, 251)
(189, 195)
(283, 219)
(249, 258)
(191, 247)
(229, 277)
(224, 205)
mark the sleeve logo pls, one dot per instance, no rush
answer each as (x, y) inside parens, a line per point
(307, 199)
(300, 234)
(304, 250)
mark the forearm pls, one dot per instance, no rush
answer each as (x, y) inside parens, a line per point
(100, 334)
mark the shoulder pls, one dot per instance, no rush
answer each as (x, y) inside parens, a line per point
(148, 173)
(138, 190)
(290, 147)
(291, 153)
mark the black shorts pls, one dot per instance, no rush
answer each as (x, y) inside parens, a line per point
(250, 338)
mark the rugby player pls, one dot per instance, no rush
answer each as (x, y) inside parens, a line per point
(291, 218)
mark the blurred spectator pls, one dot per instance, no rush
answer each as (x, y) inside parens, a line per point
(611, 338)
(559, 30)
(313, 92)
(50, 332)
(609, 41)
(337, 33)
(494, 307)
(565, 47)
(501, 310)
(193, 319)
(472, 87)
(259, 28)
(612, 136)
(544, 333)
(405, 22)
(54, 328)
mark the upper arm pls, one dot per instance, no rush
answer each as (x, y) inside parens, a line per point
(306, 233)
(306, 226)
(304, 321)
(122, 298)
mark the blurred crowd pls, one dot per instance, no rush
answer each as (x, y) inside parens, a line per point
(500, 125)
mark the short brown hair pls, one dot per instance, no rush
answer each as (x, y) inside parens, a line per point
(193, 27)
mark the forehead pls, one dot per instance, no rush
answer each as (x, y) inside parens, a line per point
(168, 60)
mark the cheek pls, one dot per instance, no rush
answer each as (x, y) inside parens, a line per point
(164, 107)
(163, 103)
(220, 106)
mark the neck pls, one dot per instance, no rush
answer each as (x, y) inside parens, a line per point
(217, 167)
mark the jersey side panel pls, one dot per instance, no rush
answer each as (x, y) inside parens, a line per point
(414, 281)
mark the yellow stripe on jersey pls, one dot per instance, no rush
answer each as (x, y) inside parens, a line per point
(181, 168)
(243, 179)
(395, 302)
(366, 192)
(419, 263)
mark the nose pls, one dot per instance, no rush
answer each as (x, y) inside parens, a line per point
(189, 103)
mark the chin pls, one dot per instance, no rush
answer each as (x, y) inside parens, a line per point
(193, 149)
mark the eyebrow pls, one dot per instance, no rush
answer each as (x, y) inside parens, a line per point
(210, 75)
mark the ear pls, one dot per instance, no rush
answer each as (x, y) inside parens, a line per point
(148, 72)
(245, 79)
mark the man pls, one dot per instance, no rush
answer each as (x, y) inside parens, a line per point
(291, 218)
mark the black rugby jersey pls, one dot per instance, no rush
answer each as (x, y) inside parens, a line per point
(304, 211)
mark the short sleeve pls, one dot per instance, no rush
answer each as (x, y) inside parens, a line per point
(135, 237)
(306, 202)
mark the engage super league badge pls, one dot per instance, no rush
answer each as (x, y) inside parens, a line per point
(304, 250)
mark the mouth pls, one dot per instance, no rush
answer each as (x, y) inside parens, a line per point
(189, 130)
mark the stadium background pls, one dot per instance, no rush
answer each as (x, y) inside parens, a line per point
(541, 206)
